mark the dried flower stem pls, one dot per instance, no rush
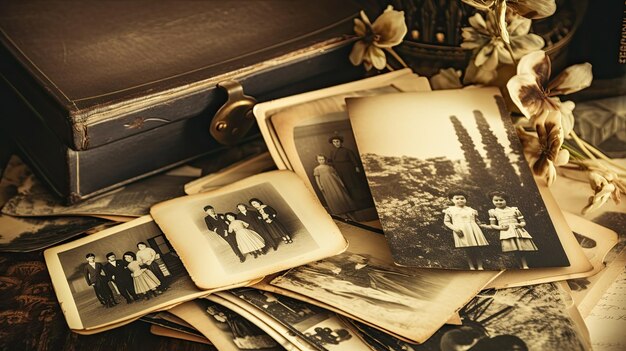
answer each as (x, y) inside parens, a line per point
(573, 151)
(397, 57)
(510, 49)
(599, 154)
(582, 146)
(388, 66)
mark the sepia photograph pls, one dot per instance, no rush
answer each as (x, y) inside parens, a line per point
(135, 199)
(313, 132)
(320, 327)
(224, 328)
(241, 332)
(248, 229)
(329, 156)
(364, 283)
(118, 274)
(381, 341)
(533, 318)
(458, 194)
(19, 234)
(288, 340)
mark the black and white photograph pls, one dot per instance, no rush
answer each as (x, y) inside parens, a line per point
(34, 199)
(458, 194)
(241, 231)
(331, 160)
(379, 340)
(117, 274)
(226, 329)
(313, 132)
(320, 327)
(596, 242)
(243, 333)
(364, 284)
(530, 318)
(19, 234)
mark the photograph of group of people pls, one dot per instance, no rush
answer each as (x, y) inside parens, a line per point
(251, 230)
(138, 275)
(132, 269)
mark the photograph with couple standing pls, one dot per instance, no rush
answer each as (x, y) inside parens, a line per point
(251, 231)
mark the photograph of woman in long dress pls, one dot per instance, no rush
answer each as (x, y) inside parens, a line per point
(348, 166)
(144, 281)
(253, 218)
(272, 224)
(248, 241)
(334, 191)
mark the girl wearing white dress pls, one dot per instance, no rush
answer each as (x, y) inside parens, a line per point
(248, 240)
(510, 222)
(144, 281)
(463, 221)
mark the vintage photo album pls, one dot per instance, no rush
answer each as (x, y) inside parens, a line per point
(296, 257)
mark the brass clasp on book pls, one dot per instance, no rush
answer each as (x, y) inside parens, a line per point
(233, 120)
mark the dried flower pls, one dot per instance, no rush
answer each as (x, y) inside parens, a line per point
(535, 97)
(387, 31)
(605, 185)
(543, 152)
(485, 37)
(533, 9)
(448, 78)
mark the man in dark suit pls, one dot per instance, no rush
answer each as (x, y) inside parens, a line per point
(96, 277)
(118, 273)
(219, 226)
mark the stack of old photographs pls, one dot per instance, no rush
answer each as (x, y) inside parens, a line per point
(446, 176)
(33, 218)
(474, 253)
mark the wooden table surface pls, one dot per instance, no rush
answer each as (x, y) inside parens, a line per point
(31, 319)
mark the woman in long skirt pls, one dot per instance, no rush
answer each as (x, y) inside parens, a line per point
(144, 281)
(248, 240)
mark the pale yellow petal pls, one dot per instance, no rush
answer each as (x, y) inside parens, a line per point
(391, 28)
(519, 26)
(358, 52)
(572, 79)
(359, 27)
(480, 4)
(484, 54)
(477, 75)
(448, 78)
(550, 174)
(533, 9)
(504, 55)
(562, 158)
(365, 19)
(501, 22)
(526, 94)
(521, 45)
(537, 64)
(478, 23)
(567, 117)
(376, 56)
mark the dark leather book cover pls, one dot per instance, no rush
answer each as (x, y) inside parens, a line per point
(85, 65)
